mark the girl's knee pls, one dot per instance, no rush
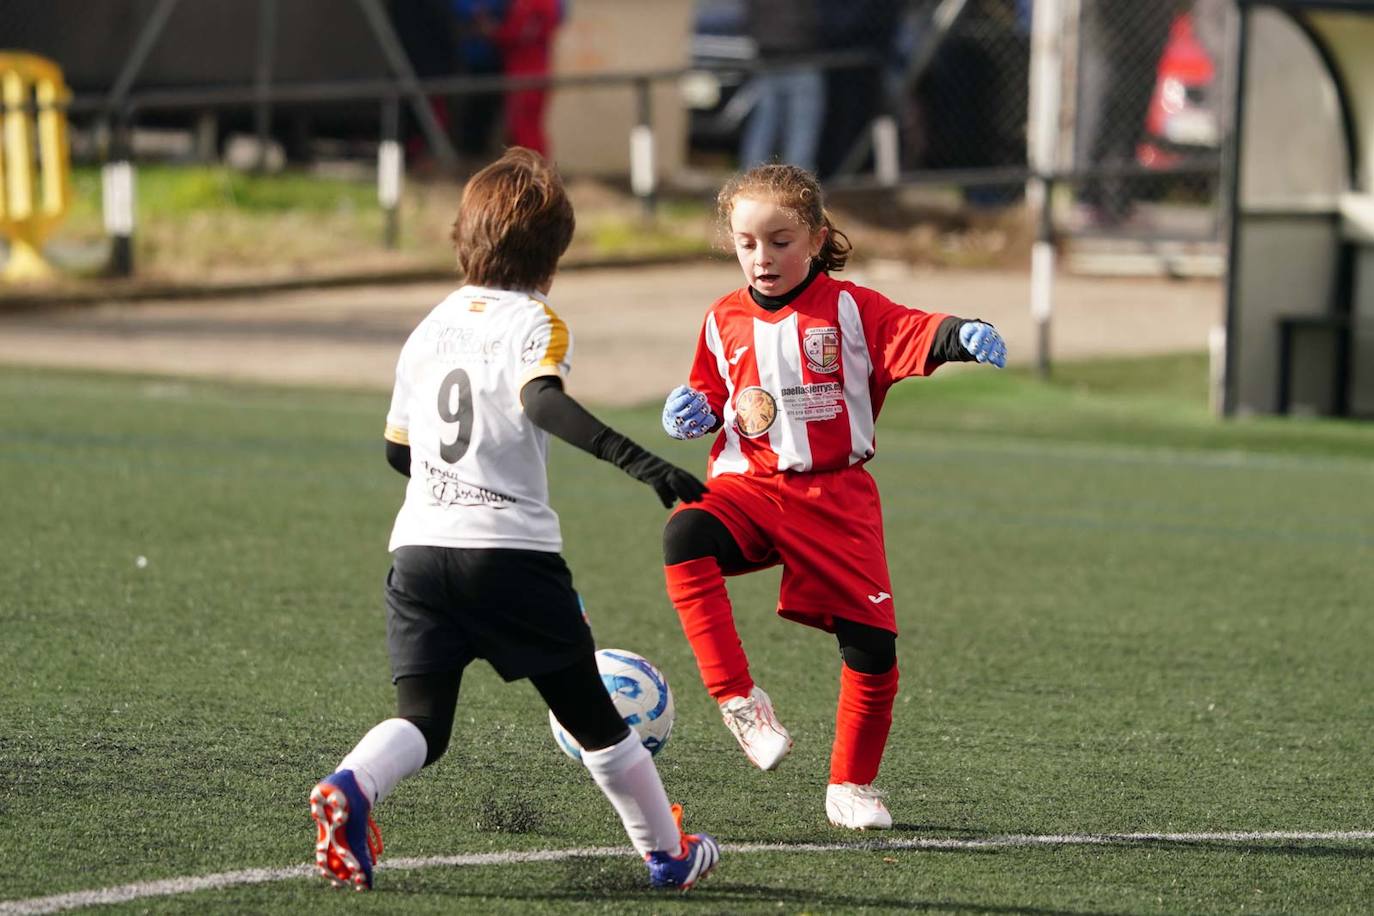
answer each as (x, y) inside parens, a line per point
(690, 535)
(866, 649)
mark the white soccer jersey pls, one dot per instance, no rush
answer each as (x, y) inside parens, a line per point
(478, 475)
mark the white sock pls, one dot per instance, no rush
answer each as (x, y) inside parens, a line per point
(393, 750)
(627, 775)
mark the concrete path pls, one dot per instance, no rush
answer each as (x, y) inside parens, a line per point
(634, 328)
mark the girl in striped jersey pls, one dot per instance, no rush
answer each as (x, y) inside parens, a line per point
(790, 372)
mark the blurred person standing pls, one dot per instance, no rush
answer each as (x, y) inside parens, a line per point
(971, 99)
(786, 121)
(525, 36)
(476, 114)
(426, 36)
(856, 94)
(1121, 42)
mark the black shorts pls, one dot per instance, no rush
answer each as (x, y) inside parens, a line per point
(517, 609)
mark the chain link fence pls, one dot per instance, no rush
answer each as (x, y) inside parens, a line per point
(1148, 108)
(1142, 112)
(875, 92)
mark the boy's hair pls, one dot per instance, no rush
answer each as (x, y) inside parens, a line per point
(514, 223)
(795, 189)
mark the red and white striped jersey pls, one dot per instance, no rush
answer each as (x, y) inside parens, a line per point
(799, 388)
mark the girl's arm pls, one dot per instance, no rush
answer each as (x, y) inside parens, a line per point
(903, 341)
(706, 375)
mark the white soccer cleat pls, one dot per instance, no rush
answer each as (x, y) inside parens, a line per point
(751, 720)
(856, 807)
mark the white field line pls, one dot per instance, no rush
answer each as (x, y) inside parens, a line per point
(171, 886)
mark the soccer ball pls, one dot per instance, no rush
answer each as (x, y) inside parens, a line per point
(641, 696)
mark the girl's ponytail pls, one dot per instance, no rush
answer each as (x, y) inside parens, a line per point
(836, 248)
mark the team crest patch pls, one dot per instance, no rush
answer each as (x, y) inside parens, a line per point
(822, 349)
(755, 411)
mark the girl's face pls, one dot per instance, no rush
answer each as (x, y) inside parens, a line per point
(773, 245)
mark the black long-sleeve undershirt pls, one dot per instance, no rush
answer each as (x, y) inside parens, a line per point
(553, 410)
(946, 348)
(556, 412)
(398, 456)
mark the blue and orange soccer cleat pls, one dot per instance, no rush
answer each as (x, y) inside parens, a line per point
(347, 840)
(694, 861)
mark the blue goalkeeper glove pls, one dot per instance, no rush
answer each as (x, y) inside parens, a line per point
(984, 343)
(686, 415)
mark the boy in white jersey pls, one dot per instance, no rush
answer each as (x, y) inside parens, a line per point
(792, 370)
(476, 570)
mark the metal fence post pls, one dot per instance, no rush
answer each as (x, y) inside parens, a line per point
(390, 170)
(262, 80)
(404, 71)
(117, 200)
(887, 161)
(1045, 92)
(643, 179)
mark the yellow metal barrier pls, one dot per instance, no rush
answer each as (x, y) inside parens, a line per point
(34, 180)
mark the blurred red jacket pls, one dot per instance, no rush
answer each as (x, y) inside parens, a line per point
(525, 36)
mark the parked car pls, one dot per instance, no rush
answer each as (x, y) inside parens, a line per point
(1182, 118)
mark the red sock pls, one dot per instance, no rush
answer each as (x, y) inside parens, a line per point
(697, 590)
(862, 721)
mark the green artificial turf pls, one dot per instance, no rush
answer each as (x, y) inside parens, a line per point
(1119, 616)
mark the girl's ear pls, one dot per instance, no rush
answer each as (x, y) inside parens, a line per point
(818, 240)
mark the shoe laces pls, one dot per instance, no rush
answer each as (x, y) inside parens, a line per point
(374, 839)
(865, 793)
(743, 712)
(684, 846)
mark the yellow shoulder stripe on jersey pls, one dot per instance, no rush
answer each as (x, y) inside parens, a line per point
(558, 340)
(397, 435)
(534, 372)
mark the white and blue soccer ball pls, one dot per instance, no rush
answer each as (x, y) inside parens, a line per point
(641, 696)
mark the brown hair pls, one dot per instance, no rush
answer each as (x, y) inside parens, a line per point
(795, 189)
(514, 223)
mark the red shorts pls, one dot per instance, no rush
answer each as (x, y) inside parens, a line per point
(825, 528)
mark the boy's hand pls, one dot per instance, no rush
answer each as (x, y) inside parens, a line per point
(672, 483)
(686, 415)
(669, 481)
(984, 343)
